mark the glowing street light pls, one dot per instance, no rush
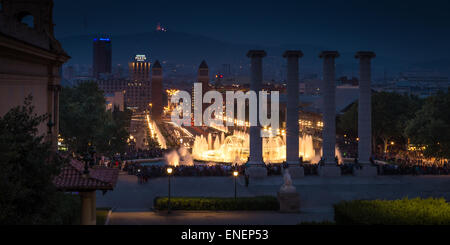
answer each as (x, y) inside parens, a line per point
(169, 173)
(235, 174)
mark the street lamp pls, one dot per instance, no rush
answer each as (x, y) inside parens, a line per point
(169, 173)
(235, 174)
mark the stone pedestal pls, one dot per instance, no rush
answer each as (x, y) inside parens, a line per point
(329, 171)
(296, 171)
(289, 202)
(366, 171)
(257, 171)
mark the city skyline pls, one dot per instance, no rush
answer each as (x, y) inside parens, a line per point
(390, 28)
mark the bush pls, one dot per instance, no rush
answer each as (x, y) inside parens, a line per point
(218, 203)
(69, 210)
(313, 223)
(399, 212)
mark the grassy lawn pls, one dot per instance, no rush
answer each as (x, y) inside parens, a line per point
(101, 215)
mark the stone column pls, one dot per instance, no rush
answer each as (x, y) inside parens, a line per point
(292, 129)
(256, 167)
(365, 114)
(86, 207)
(329, 115)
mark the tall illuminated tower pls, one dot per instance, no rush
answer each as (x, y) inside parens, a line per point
(138, 92)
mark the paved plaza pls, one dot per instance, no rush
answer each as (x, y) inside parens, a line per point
(133, 202)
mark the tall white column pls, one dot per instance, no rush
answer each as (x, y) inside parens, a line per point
(364, 107)
(292, 129)
(329, 106)
(256, 167)
(365, 115)
(256, 77)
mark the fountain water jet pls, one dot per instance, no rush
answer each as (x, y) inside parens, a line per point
(236, 146)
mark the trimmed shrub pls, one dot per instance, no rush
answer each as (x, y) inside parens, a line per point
(398, 212)
(218, 203)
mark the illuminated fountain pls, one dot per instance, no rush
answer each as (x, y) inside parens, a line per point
(185, 157)
(235, 148)
(172, 158)
(181, 157)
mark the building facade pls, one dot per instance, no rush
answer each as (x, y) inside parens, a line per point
(30, 61)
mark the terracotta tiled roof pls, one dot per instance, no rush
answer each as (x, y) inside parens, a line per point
(71, 178)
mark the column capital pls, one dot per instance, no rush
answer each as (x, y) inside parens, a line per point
(256, 53)
(326, 54)
(365, 54)
(293, 53)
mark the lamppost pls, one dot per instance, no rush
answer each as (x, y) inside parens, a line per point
(87, 160)
(235, 174)
(169, 173)
(91, 151)
(50, 125)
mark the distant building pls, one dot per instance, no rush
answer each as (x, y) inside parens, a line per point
(139, 68)
(30, 61)
(138, 90)
(203, 78)
(157, 91)
(115, 101)
(421, 84)
(102, 56)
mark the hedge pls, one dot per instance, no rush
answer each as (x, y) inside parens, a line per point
(217, 203)
(398, 212)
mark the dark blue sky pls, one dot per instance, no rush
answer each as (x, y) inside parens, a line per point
(418, 28)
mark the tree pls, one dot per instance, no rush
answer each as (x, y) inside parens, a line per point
(390, 112)
(431, 126)
(347, 123)
(84, 119)
(82, 115)
(115, 132)
(28, 167)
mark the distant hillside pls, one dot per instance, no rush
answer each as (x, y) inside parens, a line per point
(189, 49)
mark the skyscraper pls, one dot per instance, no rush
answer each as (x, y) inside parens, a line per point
(102, 56)
(139, 68)
(138, 92)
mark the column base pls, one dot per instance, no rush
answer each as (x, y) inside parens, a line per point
(256, 170)
(366, 171)
(296, 170)
(329, 171)
(289, 202)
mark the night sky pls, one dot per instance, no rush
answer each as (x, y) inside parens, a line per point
(419, 29)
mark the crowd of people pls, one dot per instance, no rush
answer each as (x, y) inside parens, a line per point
(154, 171)
(415, 169)
(143, 154)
